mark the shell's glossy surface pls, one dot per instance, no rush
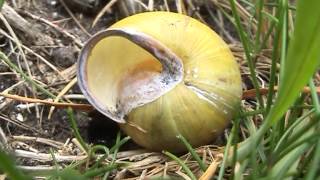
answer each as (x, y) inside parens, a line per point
(199, 107)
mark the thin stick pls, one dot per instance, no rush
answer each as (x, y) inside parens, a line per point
(84, 107)
(24, 58)
(74, 18)
(202, 165)
(63, 92)
(3, 139)
(252, 92)
(49, 142)
(36, 54)
(104, 10)
(43, 157)
(184, 166)
(75, 130)
(61, 30)
(209, 173)
(87, 107)
(18, 43)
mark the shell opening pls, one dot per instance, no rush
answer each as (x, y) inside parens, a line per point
(121, 69)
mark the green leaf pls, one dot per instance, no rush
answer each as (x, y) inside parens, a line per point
(67, 174)
(302, 60)
(8, 166)
(1, 3)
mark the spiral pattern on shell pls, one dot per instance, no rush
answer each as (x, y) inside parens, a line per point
(160, 74)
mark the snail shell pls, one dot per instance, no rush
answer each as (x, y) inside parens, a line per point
(160, 74)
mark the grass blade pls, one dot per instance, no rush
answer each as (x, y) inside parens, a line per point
(12, 66)
(281, 29)
(302, 59)
(225, 160)
(282, 167)
(75, 130)
(99, 171)
(315, 163)
(192, 152)
(245, 41)
(315, 97)
(8, 166)
(1, 3)
(184, 167)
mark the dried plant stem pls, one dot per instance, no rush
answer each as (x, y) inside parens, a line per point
(49, 142)
(64, 91)
(104, 10)
(26, 77)
(209, 173)
(263, 91)
(76, 132)
(34, 53)
(192, 152)
(74, 18)
(84, 107)
(183, 165)
(43, 157)
(61, 30)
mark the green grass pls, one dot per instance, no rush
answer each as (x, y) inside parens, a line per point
(299, 57)
(8, 166)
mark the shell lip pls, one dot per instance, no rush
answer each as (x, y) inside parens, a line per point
(82, 74)
(171, 63)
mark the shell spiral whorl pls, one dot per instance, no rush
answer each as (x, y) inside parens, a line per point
(161, 74)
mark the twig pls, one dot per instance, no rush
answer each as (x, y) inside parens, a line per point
(180, 6)
(29, 30)
(252, 92)
(183, 165)
(43, 157)
(103, 11)
(7, 101)
(209, 173)
(74, 96)
(87, 107)
(76, 132)
(64, 91)
(21, 125)
(36, 169)
(61, 30)
(19, 44)
(34, 53)
(151, 5)
(3, 139)
(74, 18)
(166, 5)
(78, 144)
(142, 5)
(84, 107)
(49, 142)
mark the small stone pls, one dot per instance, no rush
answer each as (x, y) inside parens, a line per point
(20, 117)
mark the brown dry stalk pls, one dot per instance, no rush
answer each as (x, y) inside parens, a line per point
(84, 107)
(87, 107)
(209, 173)
(252, 92)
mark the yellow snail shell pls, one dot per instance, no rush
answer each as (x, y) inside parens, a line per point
(160, 74)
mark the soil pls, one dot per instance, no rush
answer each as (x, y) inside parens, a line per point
(62, 53)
